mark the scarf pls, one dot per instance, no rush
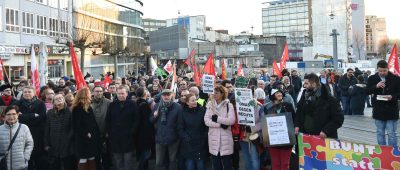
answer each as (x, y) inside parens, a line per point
(164, 106)
(6, 100)
(28, 103)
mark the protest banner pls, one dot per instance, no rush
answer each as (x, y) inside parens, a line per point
(278, 129)
(208, 84)
(242, 82)
(245, 106)
(332, 154)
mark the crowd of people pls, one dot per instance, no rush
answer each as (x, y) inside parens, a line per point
(125, 124)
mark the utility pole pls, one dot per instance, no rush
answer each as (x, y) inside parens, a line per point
(334, 35)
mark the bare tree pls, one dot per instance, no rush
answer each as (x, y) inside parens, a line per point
(384, 48)
(359, 44)
(84, 36)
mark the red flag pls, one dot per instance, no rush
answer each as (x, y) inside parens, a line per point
(284, 58)
(107, 81)
(394, 61)
(80, 82)
(35, 72)
(223, 74)
(276, 69)
(209, 66)
(240, 70)
(188, 60)
(1, 69)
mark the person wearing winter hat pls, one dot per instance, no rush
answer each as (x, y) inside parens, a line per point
(280, 155)
(6, 98)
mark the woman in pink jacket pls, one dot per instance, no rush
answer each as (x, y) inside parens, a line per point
(219, 117)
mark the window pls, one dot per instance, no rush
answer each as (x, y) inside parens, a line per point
(27, 23)
(64, 29)
(53, 30)
(41, 25)
(64, 4)
(12, 20)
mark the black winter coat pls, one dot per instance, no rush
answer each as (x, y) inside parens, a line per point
(36, 124)
(145, 137)
(325, 111)
(122, 121)
(83, 123)
(166, 133)
(297, 84)
(58, 133)
(193, 133)
(384, 110)
(345, 83)
(357, 101)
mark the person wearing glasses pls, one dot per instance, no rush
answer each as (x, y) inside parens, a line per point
(100, 105)
(345, 82)
(6, 95)
(58, 135)
(21, 149)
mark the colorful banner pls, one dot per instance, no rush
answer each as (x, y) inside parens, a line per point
(317, 153)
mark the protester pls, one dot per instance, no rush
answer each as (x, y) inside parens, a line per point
(85, 129)
(34, 116)
(165, 117)
(100, 105)
(145, 141)
(193, 134)
(58, 136)
(280, 155)
(384, 87)
(16, 140)
(48, 98)
(122, 123)
(219, 117)
(69, 99)
(7, 98)
(358, 95)
(345, 82)
(288, 86)
(297, 85)
(318, 113)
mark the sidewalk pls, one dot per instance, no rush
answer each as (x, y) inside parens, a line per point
(360, 129)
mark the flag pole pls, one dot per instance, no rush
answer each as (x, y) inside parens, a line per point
(6, 74)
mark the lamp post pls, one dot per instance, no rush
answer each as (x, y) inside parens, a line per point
(334, 35)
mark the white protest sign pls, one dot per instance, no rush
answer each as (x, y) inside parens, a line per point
(208, 84)
(277, 130)
(245, 106)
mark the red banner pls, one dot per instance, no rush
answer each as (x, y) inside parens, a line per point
(284, 58)
(80, 82)
(209, 66)
(394, 61)
(223, 74)
(276, 70)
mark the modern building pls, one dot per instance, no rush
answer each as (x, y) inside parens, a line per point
(113, 33)
(169, 43)
(343, 15)
(217, 35)
(375, 29)
(194, 25)
(290, 18)
(32, 22)
(153, 24)
(358, 29)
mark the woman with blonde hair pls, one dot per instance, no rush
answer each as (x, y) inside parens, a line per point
(86, 131)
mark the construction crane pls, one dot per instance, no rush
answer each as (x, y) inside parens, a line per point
(322, 56)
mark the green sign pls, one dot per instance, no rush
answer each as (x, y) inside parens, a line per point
(242, 82)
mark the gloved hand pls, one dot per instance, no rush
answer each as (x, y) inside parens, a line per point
(214, 118)
(224, 126)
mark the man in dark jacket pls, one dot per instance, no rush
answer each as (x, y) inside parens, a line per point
(58, 137)
(34, 116)
(100, 105)
(318, 113)
(122, 121)
(297, 85)
(384, 87)
(165, 117)
(345, 82)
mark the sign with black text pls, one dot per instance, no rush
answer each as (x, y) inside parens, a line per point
(208, 84)
(245, 105)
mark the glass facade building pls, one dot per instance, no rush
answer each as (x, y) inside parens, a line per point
(289, 18)
(117, 25)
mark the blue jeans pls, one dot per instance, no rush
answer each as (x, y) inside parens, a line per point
(390, 126)
(192, 164)
(222, 162)
(250, 155)
(346, 105)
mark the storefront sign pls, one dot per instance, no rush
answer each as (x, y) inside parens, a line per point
(14, 50)
(55, 62)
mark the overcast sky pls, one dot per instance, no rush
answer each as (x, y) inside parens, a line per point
(241, 15)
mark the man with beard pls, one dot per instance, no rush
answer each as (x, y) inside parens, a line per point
(33, 114)
(100, 105)
(165, 117)
(6, 97)
(318, 113)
